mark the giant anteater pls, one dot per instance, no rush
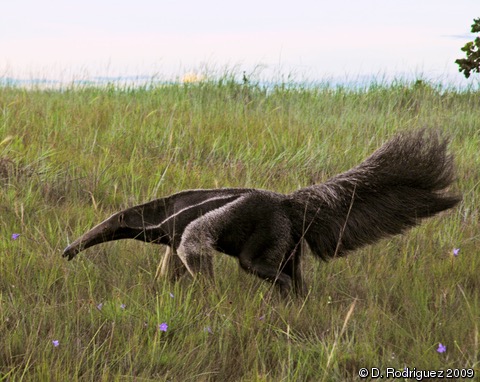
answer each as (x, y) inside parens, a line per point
(401, 183)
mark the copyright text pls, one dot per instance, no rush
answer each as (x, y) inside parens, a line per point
(414, 373)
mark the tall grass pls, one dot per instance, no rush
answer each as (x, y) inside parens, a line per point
(71, 157)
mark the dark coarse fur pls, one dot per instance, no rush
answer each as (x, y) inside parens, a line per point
(398, 185)
(401, 183)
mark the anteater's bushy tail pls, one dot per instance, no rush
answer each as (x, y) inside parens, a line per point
(401, 183)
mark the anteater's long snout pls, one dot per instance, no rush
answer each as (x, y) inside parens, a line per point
(101, 233)
(71, 251)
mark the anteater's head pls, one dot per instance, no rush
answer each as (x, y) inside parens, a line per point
(140, 222)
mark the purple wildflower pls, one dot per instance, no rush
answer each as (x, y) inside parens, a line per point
(208, 329)
(15, 236)
(171, 295)
(163, 327)
(100, 306)
(456, 251)
(123, 306)
(441, 348)
(55, 343)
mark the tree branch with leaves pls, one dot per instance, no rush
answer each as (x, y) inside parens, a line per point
(472, 51)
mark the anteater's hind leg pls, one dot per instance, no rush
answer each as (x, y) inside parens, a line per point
(293, 268)
(269, 272)
(265, 259)
(298, 282)
(171, 266)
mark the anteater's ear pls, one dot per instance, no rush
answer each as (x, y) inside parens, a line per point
(121, 219)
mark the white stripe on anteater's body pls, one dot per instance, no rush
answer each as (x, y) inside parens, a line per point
(224, 198)
(403, 182)
(185, 207)
(164, 220)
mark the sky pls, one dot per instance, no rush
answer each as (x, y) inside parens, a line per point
(312, 40)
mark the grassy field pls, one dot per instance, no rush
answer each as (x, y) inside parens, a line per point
(70, 158)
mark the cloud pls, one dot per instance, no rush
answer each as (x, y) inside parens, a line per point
(465, 36)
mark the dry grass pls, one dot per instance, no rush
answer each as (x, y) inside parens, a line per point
(70, 158)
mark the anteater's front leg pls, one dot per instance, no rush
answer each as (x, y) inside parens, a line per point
(171, 266)
(196, 256)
